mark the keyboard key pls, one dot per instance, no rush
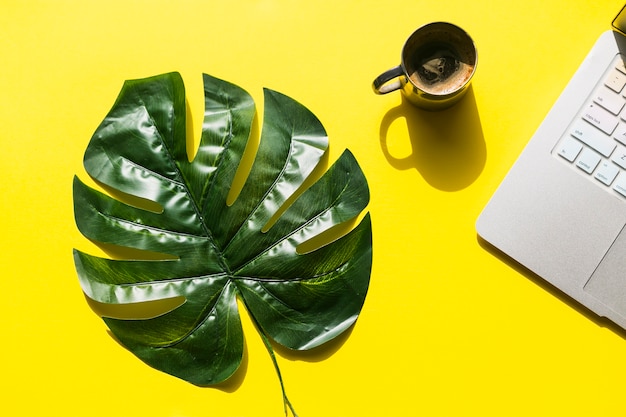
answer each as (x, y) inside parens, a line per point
(600, 118)
(608, 99)
(615, 80)
(620, 133)
(619, 156)
(606, 172)
(620, 184)
(588, 160)
(623, 115)
(593, 137)
(569, 148)
(619, 64)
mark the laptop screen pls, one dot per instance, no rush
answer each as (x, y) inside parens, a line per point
(619, 23)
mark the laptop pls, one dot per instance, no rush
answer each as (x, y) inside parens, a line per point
(561, 210)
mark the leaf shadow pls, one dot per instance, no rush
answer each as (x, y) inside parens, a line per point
(129, 199)
(551, 289)
(135, 311)
(448, 147)
(317, 354)
(235, 381)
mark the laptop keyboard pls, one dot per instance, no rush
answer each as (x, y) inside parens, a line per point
(596, 141)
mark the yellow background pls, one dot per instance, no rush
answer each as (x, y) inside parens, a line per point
(448, 328)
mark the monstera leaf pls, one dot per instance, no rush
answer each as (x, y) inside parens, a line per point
(214, 251)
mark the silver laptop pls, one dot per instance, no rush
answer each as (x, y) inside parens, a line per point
(561, 210)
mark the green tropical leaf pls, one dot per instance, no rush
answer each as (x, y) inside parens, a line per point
(213, 251)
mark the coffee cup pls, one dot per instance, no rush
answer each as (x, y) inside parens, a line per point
(437, 64)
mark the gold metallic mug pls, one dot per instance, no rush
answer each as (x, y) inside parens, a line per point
(437, 63)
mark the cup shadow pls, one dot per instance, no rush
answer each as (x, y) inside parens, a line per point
(448, 146)
(550, 289)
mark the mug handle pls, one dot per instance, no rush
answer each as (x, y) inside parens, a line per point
(380, 85)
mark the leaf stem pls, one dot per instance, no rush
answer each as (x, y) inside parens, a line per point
(286, 402)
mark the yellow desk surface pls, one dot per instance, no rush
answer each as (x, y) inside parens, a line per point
(448, 327)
